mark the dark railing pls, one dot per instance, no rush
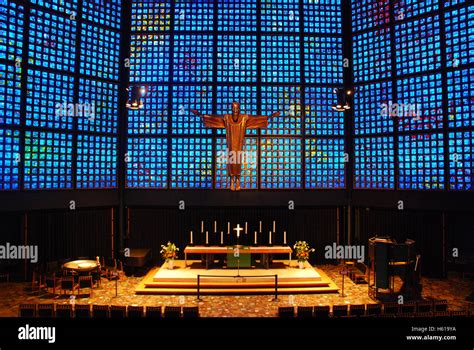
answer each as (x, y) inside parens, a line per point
(236, 276)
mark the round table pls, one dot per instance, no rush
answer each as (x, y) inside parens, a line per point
(81, 265)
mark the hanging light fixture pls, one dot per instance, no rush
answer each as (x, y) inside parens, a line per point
(135, 101)
(343, 103)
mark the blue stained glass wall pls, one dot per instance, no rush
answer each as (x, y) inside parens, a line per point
(48, 160)
(271, 56)
(461, 160)
(147, 165)
(10, 157)
(375, 162)
(96, 161)
(52, 41)
(192, 58)
(413, 105)
(10, 90)
(191, 163)
(325, 162)
(100, 52)
(59, 106)
(237, 58)
(194, 15)
(103, 12)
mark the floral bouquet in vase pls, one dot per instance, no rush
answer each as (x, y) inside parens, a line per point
(169, 252)
(302, 249)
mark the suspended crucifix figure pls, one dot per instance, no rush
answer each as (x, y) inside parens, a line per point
(236, 125)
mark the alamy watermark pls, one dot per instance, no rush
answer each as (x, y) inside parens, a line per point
(236, 157)
(345, 252)
(37, 333)
(83, 110)
(406, 110)
(19, 252)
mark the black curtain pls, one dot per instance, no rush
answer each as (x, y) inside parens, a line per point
(460, 235)
(12, 232)
(70, 234)
(11, 228)
(152, 227)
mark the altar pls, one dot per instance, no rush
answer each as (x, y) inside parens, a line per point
(243, 253)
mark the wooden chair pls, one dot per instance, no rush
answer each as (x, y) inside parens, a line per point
(135, 312)
(82, 311)
(120, 271)
(424, 306)
(340, 311)
(305, 311)
(63, 310)
(286, 311)
(45, 310)
(423, 314)
(118, 311)
(100, 311)
(440, 305)
(27, 310)
(68, 283)
(321, 311)
(374, 309)
(459, 313)
(391, 308)
(357, 310)
(442, 314)
(153, 312)
(172, 312)
(190, 311)
(85, 282)
(36, 281)
(109, 265)
(51, 282)
(408, 307)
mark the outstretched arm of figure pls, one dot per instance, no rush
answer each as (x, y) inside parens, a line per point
(210, 121)
(260, 121)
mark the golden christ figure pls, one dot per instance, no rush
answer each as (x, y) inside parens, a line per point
(235, 125)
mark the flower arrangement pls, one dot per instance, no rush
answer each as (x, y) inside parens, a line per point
(169, 251)
(302, 250)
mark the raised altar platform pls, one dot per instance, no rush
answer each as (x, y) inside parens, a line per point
(183, 280)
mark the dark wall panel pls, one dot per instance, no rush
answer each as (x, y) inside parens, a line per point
(69, 234)
(151, 227)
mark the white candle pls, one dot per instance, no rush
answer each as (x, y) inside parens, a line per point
(202, 226)
(207, 237)
(284, 237)
(270, 238)
(255, 238)
(274, 226)
(260, 227)
(222, 237)
(191, 240)
(215, 226)
(246, 227)
(228, 228)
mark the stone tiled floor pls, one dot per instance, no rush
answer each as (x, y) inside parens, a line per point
(454, 289)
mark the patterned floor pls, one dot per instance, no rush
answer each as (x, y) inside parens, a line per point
(454, 289)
